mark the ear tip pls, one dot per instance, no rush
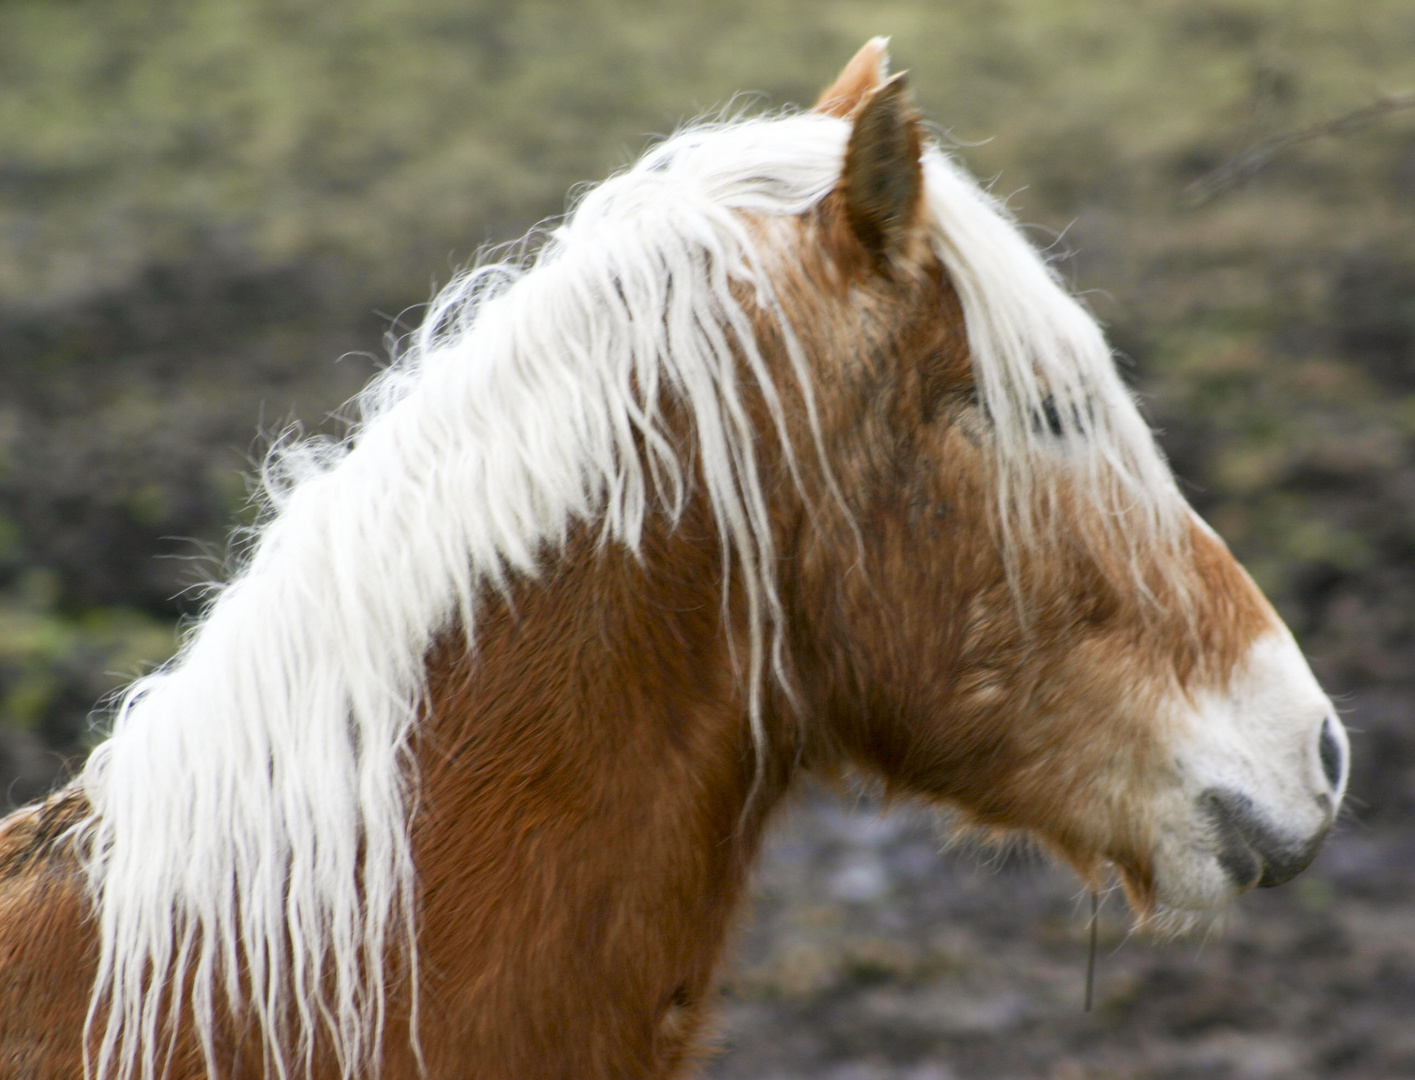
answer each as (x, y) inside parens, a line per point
(874, 55)
(878, 47)
(866, 72)
(896, 84)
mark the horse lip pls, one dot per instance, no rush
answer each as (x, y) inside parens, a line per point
(1250, 850)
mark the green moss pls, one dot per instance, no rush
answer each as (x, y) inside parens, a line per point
(319, 123)
(49, 660)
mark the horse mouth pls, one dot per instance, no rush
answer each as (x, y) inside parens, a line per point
(1251, 851)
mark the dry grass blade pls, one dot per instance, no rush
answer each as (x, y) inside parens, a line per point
(1240, 169)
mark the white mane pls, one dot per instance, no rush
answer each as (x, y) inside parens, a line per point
(249, 834)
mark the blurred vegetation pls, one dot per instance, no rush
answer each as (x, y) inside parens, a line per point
(205, 204)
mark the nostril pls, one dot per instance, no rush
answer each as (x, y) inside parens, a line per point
(1333, 767)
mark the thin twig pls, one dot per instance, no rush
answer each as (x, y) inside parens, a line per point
(1091, 958)
(1242, 168)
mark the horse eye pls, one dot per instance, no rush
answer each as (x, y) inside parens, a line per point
(1047, 416)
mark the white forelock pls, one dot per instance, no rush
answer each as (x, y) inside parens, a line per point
(1048, 380)
(249, 834)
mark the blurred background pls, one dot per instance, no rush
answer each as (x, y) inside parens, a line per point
(213, 213)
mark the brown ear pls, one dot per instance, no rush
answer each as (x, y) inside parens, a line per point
(861, 77)
(883, 181)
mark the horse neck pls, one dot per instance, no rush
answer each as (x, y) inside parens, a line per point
(589, 800)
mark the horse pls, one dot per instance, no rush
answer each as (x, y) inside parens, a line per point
(784, 453)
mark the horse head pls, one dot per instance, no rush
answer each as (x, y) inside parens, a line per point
(1012, 609)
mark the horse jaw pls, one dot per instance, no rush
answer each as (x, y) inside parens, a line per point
(1258, 774)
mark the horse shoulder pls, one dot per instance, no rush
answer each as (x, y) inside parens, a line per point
(48, 951)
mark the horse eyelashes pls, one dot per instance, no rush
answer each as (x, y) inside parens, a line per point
(1046, 417)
